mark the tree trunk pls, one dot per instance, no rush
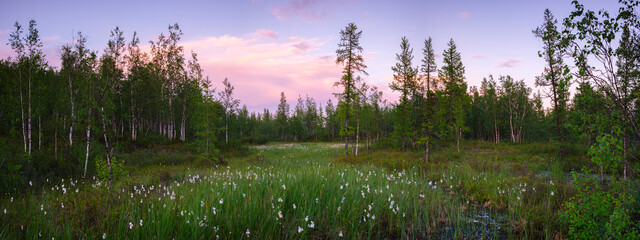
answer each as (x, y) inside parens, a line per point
(346, 135)
(357, 134)
(72, 112)
(624, 156)
(29, 104)
(39, 133)
(22, 120)
(106, 142)
(226, 129)
(86, 158)
(426, 154)
(458, 135)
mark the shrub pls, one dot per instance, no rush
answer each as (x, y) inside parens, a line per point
(102, 168)
(601, 212)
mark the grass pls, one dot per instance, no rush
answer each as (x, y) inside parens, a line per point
(301, 191)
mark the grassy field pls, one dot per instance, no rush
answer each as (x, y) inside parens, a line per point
(307, 190)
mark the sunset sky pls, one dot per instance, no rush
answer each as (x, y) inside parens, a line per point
(265, 47)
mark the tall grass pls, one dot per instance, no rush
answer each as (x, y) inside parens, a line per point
(297, 191)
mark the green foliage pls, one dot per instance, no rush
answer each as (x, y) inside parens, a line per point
(102, 168)
(607, 151)
(598, 211)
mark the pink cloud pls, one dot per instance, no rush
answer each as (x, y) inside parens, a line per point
(477, 56)
(267, 33)
(312, 10)
(509, 63)
(463, 15)
(260, 68)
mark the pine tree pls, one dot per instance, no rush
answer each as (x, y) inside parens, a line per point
(555, 72)
(455, 96)
(349, 54)
(427, 68)
(282, 115)
(404, 81)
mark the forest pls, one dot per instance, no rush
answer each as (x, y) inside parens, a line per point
(149, 149)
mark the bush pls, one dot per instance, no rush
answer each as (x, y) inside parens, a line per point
(102, 168)
(601, 212)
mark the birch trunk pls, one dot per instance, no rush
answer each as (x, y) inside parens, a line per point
(86, 158)
(29, 104)
(72, 112)
(106, 142)
(22, 122)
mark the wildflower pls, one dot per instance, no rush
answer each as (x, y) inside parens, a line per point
(340, 234)
(221, 201)
(551, 193)
(284, 187)
(312, 225)
(201, 203)
(130, 225)
(104, 236)
(300, 229)
(294, 206)
(62, 205)
(140, 222)
(248, 232)
(30, 183)
(306, 219)
(279, 214)
(279, 199)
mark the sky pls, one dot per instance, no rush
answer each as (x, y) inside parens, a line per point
(265, 47)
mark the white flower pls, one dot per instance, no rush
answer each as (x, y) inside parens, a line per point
(130, 225)
(340, 234)
(140, 222)
(104, 236)
(221, 201)
(248, 232)
(306, 219)
(62, 205)
(279, 199)
(5, 211)
(551, 193)
(300, 229)
(294, 206)
(30, 183)
(284, 187)
(312, 225)
(279, 214)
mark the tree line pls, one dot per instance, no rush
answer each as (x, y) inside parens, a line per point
(98, 103)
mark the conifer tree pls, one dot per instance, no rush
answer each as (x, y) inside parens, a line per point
(349, 54)
(404, 81)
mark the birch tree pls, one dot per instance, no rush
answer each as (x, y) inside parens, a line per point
(230, 105)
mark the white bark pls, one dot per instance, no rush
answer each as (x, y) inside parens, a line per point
(106, 142)
(72, 112)
(22, 122)
(86, 158)
(29, 118)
